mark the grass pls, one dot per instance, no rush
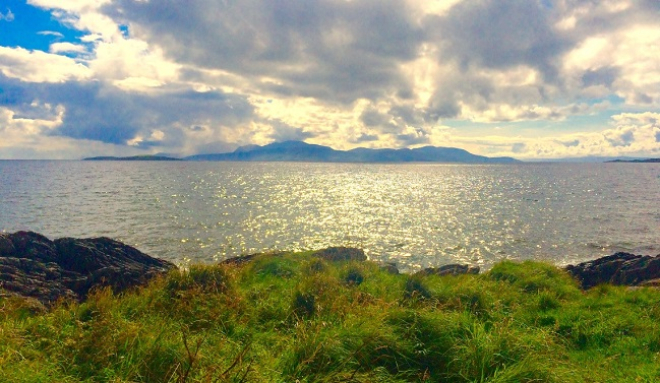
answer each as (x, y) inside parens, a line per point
(296, 318)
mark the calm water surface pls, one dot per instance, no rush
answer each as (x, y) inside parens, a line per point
(415, 214)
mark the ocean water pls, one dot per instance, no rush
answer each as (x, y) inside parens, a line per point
(416, 215)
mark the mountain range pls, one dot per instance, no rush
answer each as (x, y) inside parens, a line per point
(304, 152)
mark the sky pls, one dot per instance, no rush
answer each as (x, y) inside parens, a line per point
(533, 79)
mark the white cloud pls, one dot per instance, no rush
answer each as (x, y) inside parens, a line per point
(633, 134)
(38, 66)
(51, 33)
(58, 48)
(130, 64)
(9, 16)
(350, 73)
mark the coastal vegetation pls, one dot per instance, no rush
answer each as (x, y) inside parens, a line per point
(299, 318)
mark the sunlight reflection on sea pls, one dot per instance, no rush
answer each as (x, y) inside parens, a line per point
(414, 214)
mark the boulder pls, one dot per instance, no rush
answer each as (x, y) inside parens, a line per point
(339, 254)
(7, 248)
(389, 267)
(451, 269)
(31, 265)
(84, 255)
(618, 269)
(33, 246)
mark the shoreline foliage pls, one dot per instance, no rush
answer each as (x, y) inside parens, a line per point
(297, 318)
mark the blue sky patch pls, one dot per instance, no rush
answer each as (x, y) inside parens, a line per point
(33, 28)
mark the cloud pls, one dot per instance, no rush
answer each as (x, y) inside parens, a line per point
(177, 76)
(9, 16)
(58, 48)
(518, 147)
(101, 112)
(620, 137)
(500, 34)
(335, 51)
(633, 134)
(38, 66)
(284, 132)
(364, 137)
(414, 138)
(51, 33)
(570, 143)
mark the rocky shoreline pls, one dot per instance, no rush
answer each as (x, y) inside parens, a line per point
(33, 266)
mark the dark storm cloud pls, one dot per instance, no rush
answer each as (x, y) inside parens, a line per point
(100, 112)
(338, 51)
(500, 34)
(407, 113)
(114, 116)
(372, 118)
(604, 76)
(333, 50)
(12, 94)
(408, 139)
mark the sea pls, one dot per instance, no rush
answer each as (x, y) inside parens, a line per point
(416, 215)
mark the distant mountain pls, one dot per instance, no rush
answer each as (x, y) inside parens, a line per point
(301, 151)
(643, 160)
(591, 159)
(132, 158)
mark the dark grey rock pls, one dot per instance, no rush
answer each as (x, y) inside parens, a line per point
(389, 267)
(618, 269)
(33, 246)
(83, 255)
(7, 248)
(33, 266)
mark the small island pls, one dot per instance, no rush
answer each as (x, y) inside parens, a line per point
(642, 161)
(132, 158)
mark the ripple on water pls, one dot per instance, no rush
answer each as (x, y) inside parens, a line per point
(415, 214)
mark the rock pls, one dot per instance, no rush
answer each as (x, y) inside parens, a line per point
(339, 254)
(651, 283)
(618, 269)
(389, 267)
(451, 269)
(7, 248)
(83, 255)
(33, 246)
(30, 278)
(33, 266)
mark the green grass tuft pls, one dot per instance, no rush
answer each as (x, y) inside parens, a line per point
(295, 317)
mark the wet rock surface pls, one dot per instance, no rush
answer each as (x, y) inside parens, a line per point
(32, 265)
(618, 269)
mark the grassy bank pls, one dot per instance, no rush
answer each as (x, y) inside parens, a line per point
(298, 318)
